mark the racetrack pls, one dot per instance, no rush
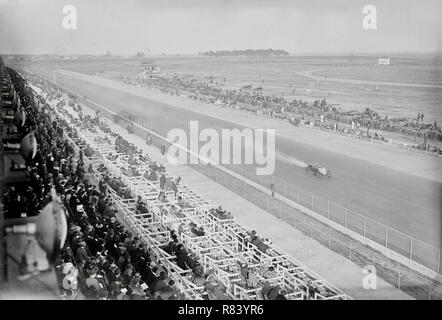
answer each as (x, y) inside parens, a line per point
(402, 201)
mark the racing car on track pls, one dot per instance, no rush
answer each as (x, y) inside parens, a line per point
(317, 170)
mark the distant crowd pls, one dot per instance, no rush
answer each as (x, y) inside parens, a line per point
(364, 124)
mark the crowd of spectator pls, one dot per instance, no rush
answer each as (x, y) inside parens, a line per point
(115, 263)
(102, 259)
(363, 124)
(184, 258)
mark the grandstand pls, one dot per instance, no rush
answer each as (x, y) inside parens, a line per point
(134, 231)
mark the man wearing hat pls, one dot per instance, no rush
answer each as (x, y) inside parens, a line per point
(159, 283)
(115, 288)
(150, 275)
(82, 253)
(99, 229)
(142, 259)
(113, 273)
(93, 285)
(135, 281)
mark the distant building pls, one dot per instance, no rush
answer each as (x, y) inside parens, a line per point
(384, 61)
(148, 70)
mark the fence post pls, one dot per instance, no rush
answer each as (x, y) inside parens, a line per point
(285, 188)
(297, 195)
(329, 237)
(312, 202)
(411, 248)
(430, 295)
(345, 217)
(350, 250)
(386, 237)
(328, 209)
(365, 224)
(438, 269)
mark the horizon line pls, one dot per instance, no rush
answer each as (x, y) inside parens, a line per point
(344, 53)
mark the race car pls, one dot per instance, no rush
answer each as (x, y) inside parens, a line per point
(317, 170)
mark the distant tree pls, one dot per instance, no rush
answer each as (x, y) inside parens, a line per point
(247, 52)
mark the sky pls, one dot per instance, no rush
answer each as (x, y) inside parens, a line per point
(192, 26)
